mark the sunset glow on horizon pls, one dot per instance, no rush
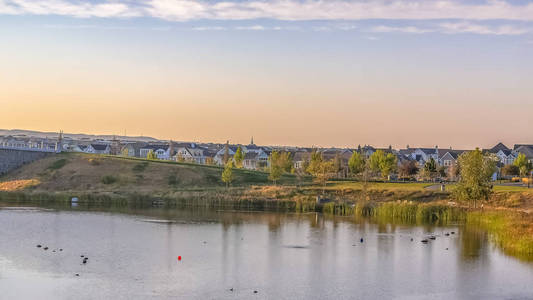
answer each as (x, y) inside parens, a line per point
(313, 75)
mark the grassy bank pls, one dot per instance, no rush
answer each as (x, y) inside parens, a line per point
(510, 231)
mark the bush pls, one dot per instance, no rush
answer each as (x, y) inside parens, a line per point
(140, 167)
(58, 164)
(94, 161)
(109, 179)
(172, 179)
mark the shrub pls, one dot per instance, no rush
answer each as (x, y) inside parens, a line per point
(140, 167)
(94, 161)
(58, 164)
(109, 179)
(172, 179)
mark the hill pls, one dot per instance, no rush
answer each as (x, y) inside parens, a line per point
(75, 172)
(76, 136)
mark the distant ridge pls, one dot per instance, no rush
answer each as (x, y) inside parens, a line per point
(76, 136)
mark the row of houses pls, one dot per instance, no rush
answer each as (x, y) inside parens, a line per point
(255, 157)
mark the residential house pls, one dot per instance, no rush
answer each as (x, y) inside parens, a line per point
(527, 150)
(505, 155)
(219, 156)
(300, 158)
(97, 149)
(421, 155)
(255, 160)
(190, 154)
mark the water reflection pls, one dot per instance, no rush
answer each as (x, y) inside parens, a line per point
(282, 255)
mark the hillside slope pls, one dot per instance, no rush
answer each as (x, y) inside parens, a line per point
(87, 173)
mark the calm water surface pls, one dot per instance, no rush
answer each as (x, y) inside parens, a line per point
(133, 255)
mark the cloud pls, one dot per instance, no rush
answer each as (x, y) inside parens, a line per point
(406, 29)
(80, 9)
(209, 28)
(294, 10)
(253, 27)
(467, 27)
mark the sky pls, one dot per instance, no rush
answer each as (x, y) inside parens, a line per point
(287, 72)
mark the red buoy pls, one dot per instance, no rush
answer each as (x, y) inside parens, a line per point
(179, 257)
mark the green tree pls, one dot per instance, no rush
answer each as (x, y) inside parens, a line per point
(524, 165)
(287, 162)
(227, 174)
(388, 165)
(276, 166)
(476, 171)
(151, 155)
(320, 169)
(382, 163)
(375, 160)
(356, 164)
(314, 162)
(238, 157)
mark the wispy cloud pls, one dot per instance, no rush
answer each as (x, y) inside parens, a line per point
(406, 29)
(253, 27)
(183, 10)
(209, 28)
(467, 27)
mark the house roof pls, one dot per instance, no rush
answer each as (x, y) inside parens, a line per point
(155, 146)
(99, 147)
(522, 145)
(251, 155)
(498, 147)
(527, 150)
(507, 152)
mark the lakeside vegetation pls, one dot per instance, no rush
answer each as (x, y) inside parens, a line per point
(101, 180)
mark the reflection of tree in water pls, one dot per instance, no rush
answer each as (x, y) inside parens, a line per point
(473, 242)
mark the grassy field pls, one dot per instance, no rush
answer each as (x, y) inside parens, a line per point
(110, 176)
(85, 172)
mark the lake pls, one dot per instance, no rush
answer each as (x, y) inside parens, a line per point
(133, 254)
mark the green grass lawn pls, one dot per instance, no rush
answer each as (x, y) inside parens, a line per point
(507, 188)
(410, 186)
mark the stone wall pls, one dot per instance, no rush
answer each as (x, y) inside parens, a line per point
(12, 159)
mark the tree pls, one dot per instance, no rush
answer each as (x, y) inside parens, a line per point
(375, 161)
(337, 164)
(276, 166)
(441, 171)
(523, 164)
(408, 168)
(225, 159)
(151, 155)
(510, 170)
(382, 163)
(320, 169)
(356, 164)
(453, 171)
(227, 174)
(388, 165)
(286, 162)
(430, 168)
(238, 157)
(476, 171)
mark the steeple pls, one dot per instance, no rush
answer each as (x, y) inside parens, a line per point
(252, 141)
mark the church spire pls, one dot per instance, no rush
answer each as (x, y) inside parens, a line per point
(252, 141)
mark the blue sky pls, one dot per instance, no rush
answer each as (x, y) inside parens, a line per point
(265, 67)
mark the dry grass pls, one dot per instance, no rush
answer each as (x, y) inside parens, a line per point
(17, 185)
(83, 172)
